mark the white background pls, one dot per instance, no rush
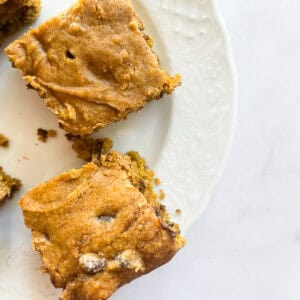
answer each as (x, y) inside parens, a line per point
(246, 245)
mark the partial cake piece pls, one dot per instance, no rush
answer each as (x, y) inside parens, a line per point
(100, 227)
(17, 13)
(8, 185)
(87, 147)
(93, 64)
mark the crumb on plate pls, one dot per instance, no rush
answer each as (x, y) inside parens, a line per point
(162, 195)
(157, 181)
(178, 212)
(101, 226)
(86, 147)
(44, 134)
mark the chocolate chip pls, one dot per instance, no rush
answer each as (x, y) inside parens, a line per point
(106, 219)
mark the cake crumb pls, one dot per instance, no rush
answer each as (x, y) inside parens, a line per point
(43, 270)
(86, 147)
(149, 40)
(157, 181)
(8, 185)
(178, 212)
(44, 134)
(3, 140)
(162, 195)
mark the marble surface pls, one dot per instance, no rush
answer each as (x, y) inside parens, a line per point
(246, 245)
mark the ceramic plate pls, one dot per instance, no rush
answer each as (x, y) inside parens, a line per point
(185, 137)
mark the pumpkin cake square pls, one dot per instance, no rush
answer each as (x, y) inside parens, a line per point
(17, 13)
(93, 64)
(100, 227)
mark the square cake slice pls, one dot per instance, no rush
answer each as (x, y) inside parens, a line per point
(100, 227)
(16, 13)
(93, 64)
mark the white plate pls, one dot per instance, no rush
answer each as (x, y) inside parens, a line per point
(185, 138)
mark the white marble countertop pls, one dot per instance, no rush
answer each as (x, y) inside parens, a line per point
(246, 245)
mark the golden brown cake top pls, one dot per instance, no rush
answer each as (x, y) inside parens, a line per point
(96, 231)
(92, 63)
